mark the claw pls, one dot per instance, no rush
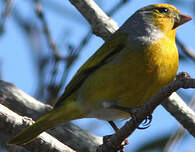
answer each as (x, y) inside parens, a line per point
(121, 148)
(146, 123)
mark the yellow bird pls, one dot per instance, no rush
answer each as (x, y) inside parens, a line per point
(126, 71)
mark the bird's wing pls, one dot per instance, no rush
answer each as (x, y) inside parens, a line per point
(108, 50)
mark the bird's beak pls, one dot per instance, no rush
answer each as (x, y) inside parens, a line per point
(181, 19)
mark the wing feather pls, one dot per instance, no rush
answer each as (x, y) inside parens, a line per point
(101, 57)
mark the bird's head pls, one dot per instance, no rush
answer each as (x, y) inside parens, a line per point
(153, 22)
(163, 16)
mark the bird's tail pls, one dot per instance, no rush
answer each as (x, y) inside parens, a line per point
(64, 113)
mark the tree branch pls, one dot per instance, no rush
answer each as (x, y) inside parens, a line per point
(101, 24)
(11, 123)
(181, 111)
(21, 103)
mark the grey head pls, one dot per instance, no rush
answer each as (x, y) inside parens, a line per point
(139, 27)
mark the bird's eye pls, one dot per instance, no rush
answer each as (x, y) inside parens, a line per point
(163, 10)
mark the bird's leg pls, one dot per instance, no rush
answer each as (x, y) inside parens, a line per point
(113, 125)
(131, 111)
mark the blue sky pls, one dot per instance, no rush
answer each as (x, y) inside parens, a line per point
(18, 66)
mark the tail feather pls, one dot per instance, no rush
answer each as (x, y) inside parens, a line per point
(62, 114)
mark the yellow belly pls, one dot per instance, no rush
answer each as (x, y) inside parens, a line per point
(129, 80)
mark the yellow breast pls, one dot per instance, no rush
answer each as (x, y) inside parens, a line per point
(163, 59)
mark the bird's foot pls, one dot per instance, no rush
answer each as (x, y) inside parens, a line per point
(123, 144)
(132, 111)
(121, 148)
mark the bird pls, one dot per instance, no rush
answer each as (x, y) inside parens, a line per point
(126, 71)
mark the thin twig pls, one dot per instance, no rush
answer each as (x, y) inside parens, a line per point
(190, 53)
(53, 89)
(120, 4)
(40, 14)
(8, 7)
(5, 14)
